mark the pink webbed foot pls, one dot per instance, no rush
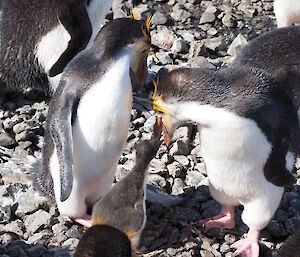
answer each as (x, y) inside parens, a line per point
(84, 220)
(225, 219)
(248, 247)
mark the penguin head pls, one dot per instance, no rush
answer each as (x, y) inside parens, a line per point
(147, 149)
(169, 90)
(103, 240)
(128, 36)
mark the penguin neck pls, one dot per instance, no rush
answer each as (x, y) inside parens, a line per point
(203, 114)
(97, 17)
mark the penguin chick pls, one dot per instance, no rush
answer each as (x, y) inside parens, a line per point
(123, 207)
(89, 115)
(287, 12)
(277, 52)
(248, 129)
(39, 38)
(103, 241)
(291, 247)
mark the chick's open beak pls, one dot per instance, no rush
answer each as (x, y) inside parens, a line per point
(159, 128)
(166, 134)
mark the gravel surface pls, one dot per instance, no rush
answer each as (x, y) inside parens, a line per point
(191, 33)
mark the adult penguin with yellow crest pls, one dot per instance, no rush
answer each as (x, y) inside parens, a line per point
(89, 117)
(249, 133)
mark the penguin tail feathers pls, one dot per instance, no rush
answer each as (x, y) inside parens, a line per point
(41, 180)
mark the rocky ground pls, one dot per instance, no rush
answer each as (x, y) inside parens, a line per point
(191, 33)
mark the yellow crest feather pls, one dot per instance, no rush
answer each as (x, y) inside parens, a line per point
(134, 14)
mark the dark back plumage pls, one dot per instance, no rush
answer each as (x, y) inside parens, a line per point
(278, 53)
(249, 92)
(103, 241)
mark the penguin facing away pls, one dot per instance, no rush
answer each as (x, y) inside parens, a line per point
(123, 207)
(287, 12)
(248, 130)
(89, 117)
(277, 52)
(103, 241)
(39, 38)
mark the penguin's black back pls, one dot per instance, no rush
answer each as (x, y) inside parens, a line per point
(103, 241)
(23, 24)
(278, 53)
(250, 93)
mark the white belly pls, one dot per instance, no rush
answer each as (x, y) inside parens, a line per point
(287, 12)
(101, 129)
(235, 151)
(99, 135)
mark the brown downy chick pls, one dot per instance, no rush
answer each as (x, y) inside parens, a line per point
(103, 241)
(123, 207)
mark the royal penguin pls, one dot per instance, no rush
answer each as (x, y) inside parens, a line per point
(278, 53)
(123, 207)
(287, 12)
(248, 132)
(103, 241)
(39, 38)
(89, 115)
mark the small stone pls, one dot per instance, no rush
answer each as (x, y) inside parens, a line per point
(214, 44)
(159, 18)
(180, 46)
(236, 44)
(230, 239)
(40, 238)
(201, 62)
(156, 180)
(5, 214)
(183, 160)
(208, 15)
(148, 126)
(205, 253)
(71, 243)
(36, 220)
(178, 187)
(193, 178)
(20, 127)
(29, 202)
(174, 169)
(73, 232)
(15, 226)
(5, 139)
(25, 136)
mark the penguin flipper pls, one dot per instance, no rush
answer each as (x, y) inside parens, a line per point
(76, 21)
(61, 132)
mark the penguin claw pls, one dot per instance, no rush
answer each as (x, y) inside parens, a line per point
(247, 247)
(84, 221)
(225, 219)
